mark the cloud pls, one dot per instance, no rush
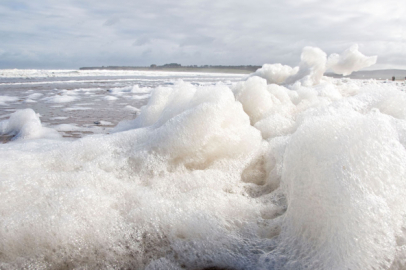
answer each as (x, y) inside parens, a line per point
(141, 41)
(228, 32)
(111, 21)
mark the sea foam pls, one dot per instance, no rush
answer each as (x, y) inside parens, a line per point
(25, 124)
(301, 175)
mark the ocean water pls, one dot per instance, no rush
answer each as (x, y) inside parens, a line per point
(77, 102)
(283, 169)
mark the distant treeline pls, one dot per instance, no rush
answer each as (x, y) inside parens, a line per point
(179, 67)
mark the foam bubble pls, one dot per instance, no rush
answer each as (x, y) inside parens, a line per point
(312, 66)
(25, 124)
(109, 98)
(60, 99)
(349, 61)
(275, 73)
(139, 97)
(66, 127)
(34, 96)
(132, 109)
(7, 99)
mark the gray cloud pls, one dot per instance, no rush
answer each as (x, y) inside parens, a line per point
(111, 21)
(46, 34)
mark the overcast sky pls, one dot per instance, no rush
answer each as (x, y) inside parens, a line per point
(76, 33)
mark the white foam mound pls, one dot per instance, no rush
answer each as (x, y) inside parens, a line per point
(110, 201)
(344, 180)
(275, 73)
(136, 89)
(313, 65)
(110, 98)
(4, 100)
(25, 124)
(256, 176)
(132, 109)
(349, 61)
(60, 99)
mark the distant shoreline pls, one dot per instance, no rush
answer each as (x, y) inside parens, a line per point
(383, 74)
(169, 68)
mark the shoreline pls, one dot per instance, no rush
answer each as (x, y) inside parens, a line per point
(232, 70)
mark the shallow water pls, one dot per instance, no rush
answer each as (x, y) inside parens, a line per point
(93, 101)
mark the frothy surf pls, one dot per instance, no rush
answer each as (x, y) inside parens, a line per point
(285, 170)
